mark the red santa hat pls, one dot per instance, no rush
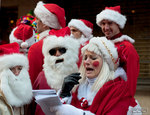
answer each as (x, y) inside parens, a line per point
(24, 35)
(51, 15)
(60, 38)
(85, 26)
(112, 14)
(104, 47)
(10, 56)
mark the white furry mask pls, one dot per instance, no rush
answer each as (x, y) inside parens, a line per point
(17, 89)
(56, 72)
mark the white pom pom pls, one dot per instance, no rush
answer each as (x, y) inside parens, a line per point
(24, 45)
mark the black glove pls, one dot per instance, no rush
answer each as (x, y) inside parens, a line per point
(69, 83)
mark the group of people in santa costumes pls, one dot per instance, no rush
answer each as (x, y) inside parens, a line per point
(101, 90)
(48, 17)
(108, 72)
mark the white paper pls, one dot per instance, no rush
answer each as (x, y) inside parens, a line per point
(46, 99)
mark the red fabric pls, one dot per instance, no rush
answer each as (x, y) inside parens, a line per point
(23, 32)
(129, 60)
(115, 8)
(80, 54)
(116, 36)
(36, 61)
(9, 48)
(112, 99)
(87, 23)
(61, 32)
(58, 11)
(40, 83)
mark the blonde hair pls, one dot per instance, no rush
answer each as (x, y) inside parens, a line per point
(105, 74)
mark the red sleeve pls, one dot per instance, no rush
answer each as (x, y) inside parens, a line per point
(35, 57)
(130, 62)
(41, 82)
(120, 108)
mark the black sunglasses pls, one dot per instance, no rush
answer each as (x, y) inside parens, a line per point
(54, 50)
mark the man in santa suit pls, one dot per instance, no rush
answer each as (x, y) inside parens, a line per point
(111, 22)
(60, 60)
(48, 17)
(100, 91)
(82, 31)
(15, 84)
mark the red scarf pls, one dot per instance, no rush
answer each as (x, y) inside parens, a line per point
(116, 36)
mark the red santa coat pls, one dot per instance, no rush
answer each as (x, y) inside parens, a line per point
(40, 83)
(129, 59)
(36, 58)
(112, 99)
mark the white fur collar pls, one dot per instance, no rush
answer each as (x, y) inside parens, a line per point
(44, 34)
(85, 91)
(122, 38)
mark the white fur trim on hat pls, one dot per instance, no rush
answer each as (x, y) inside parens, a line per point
(12, 38)
(112, 16)
(105, 48)
(46, 16)
(23, 44)
(7, 61)
(81, 26)
(53, 42)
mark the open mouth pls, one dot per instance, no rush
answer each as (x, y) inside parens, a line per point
(59, 60)
(89, 69)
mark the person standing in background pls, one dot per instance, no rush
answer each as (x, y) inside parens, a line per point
(60, 60)
(24, 35)
(48, 17)
(82, 31)
(111, 22)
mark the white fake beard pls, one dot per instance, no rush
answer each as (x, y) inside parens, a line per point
(81, 40)
(55, 73)
(17, 89)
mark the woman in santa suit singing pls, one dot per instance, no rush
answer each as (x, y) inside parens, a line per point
(101, 90)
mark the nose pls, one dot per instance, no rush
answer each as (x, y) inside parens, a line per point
(57, 53)
(106, 26)
(16, 71)
(87, 61)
